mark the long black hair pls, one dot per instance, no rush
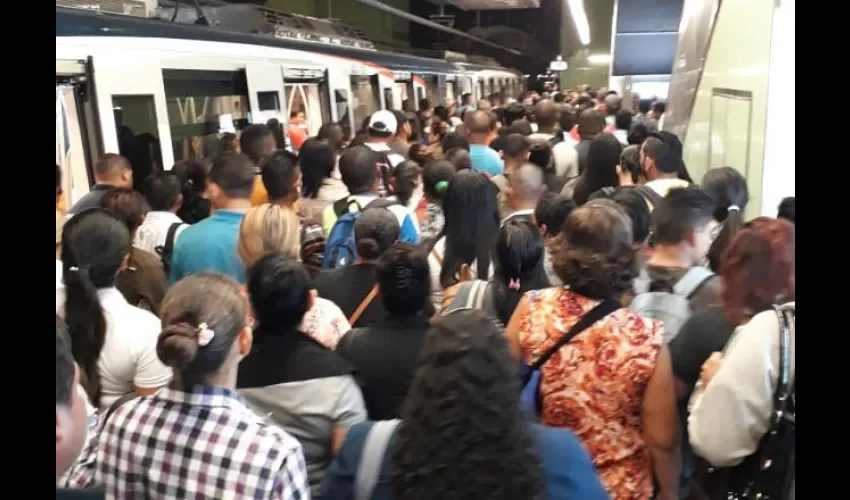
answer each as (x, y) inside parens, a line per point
(463, 434)
(471, 211)
(193, 175)
(317, 161)
(95, 243)
(518, 259)
(603, 156)
(728, 190)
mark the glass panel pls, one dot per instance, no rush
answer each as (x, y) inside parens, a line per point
(420, 94)
(388, 97)
(268, 101)
(343, 111)
(204, 105)
(364, 97)
(306, 98)
(450, 92)
(138, 137)
(432, 88)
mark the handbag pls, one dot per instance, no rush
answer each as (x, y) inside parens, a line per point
(767, 474)
(530, 395)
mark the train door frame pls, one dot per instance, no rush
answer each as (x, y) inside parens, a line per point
(117, 75)
(265, 78)
(420, 91)
(308, 76)
(77, 75)
(405, 78)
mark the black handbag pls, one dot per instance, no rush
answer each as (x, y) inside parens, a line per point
(768, 473)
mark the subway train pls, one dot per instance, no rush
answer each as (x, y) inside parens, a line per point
(160, 91)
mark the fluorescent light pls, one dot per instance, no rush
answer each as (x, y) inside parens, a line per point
(599, 58)
(580, 20)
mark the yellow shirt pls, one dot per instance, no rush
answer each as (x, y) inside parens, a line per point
(259, 195)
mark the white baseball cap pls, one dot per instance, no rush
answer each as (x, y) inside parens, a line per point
(383, 122)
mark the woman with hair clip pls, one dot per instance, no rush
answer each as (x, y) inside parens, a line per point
(462, 249)
(518, 259)
(114, 343)
(196, 438)
(436, 176)
(462, 434)
(728, 189)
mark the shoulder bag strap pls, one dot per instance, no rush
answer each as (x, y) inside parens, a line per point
(604, 308)
(363, 305)
(785, 315)
(372, 458)
(692, 281)
(169, 237)
(437, 256)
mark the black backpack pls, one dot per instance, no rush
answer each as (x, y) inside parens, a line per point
(165, 251)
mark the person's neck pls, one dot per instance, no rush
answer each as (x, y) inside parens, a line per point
(108, 182)
(509, 166)
(480, 140)
(670, 256)
(359, 261)
(235, 205)
(286, 202)
(524, 205)
(662, 175)
(545, 129)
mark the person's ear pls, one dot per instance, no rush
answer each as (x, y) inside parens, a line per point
(465, 273)
(246, 340)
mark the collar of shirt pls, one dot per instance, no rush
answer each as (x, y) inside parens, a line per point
(202, 395)
(524, 211)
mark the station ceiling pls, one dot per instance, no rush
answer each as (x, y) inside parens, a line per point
(489, 4)
(646, 37)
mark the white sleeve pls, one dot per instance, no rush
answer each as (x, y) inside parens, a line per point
(350, 408)
(150, 371)
(731, 415)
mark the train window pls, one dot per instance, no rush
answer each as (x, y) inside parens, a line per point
(388, 97)
(432, 88)
(343, 111)
(481, 90)
(306, 98)
(451, 94)
(402, 89)
(268, 101)
(420, 94)
(365, 98)
(138, 137)
(204, 105)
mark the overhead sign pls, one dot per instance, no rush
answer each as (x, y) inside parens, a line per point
(558, 65)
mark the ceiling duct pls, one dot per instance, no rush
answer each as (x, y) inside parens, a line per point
(261, 20)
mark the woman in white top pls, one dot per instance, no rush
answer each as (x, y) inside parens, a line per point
(114, 343)
(319, 187)
(733, 402)
(408, 189)
(472, 221)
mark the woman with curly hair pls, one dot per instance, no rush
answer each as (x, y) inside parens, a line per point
(611, 384)
(463, 435)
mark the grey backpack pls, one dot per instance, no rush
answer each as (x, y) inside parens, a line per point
(672, 309)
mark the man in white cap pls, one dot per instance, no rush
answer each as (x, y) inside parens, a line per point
(382, 129)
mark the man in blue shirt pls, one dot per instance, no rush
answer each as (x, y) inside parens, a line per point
(484, 158)
(210, 245)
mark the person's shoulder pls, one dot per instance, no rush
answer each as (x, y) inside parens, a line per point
(569, 469)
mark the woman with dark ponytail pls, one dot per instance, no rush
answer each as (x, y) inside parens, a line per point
(728, 189)
(518, 259)
(198, 421)
(114, 343)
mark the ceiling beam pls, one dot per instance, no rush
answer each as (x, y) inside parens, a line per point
(426, 22)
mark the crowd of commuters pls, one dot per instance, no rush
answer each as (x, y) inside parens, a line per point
(529, 298)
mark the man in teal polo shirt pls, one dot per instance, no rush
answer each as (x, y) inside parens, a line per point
(210, 245)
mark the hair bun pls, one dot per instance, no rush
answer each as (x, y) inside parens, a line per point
(368, 248)
(177, 345)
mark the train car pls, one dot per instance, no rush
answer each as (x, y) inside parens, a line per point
(159, 91)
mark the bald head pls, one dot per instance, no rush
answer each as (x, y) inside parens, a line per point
(613, 103)
(546, 113)
(527, 185)
(477, 123)
(484, 105)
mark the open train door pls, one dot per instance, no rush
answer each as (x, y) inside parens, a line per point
(132, 111)
(77, 142)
